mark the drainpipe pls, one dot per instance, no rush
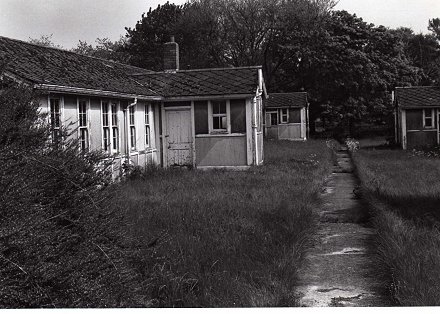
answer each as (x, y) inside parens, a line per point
(127, 130)
(396, 116)
(254, 130)
(307, 122)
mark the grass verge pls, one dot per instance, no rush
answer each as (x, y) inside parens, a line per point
(404, 192)
(224, 238)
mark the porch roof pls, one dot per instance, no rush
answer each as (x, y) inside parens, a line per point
(418, 96)
(286, 100)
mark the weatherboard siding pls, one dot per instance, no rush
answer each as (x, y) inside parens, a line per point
(221, 150)
(291, 131)
(421, 138)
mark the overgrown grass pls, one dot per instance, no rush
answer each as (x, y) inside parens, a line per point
(404, 193)
(224, 238)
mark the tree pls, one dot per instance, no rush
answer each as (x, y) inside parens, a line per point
(104, 48)
(423, 50)
(434, 27)
(45, 40)
(352, 70)
(213, 33)
(145, 41)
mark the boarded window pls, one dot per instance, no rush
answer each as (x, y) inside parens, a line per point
(238, 116)
(414, 119)
(294, 115)
(201, 117)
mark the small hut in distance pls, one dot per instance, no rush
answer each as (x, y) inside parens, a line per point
(286, 116)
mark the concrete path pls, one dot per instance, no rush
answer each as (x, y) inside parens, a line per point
(339, 268)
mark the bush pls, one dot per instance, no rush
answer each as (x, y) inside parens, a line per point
(60, 246)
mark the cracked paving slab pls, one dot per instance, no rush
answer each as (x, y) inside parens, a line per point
(339, 267)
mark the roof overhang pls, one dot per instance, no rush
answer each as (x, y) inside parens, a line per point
(93, 92)
(286, 106)
(418, 107)
(209, 97)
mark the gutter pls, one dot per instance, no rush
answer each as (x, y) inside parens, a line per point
(94, 92)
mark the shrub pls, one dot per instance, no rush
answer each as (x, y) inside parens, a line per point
(60, 246)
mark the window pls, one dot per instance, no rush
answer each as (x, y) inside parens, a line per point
(219, 115)
(284, 115)
(273, 118)
(115, 130)
(105, 127)
(428, 118)
(55, 119)
(110, 126)
(295, 115)
(132, 123)
(147, 125)
(238, 115)
(83, 125)
(201, 117)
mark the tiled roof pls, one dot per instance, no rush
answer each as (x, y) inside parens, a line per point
(418, 96)
(52, 66)
(277, 100)
(204, 82)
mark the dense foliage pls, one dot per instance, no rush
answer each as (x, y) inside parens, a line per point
(59, 245)
(348, 66)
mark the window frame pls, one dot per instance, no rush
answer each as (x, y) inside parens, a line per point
(86, 125)
(431, 117)
(60, 100)
(147, 123)
(114, 126)
(212, 115)
(284, 115)
(109, 128)
(132, 127)
(271, 113)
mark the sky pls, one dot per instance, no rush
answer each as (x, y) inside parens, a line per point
(72, 20)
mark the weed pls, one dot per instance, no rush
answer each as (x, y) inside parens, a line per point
(220, 238)
(404, 192)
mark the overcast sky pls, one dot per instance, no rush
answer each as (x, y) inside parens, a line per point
(72, 20)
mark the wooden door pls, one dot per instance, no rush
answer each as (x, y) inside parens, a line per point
(178, 137)
(272, 125)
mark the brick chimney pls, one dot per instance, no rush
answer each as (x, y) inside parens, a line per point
(171, 56)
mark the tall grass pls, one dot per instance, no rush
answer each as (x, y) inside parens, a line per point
(404, 194)
(225, 238)
(409, 184)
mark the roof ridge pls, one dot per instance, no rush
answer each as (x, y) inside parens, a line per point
(71, 52)
(201, 70)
